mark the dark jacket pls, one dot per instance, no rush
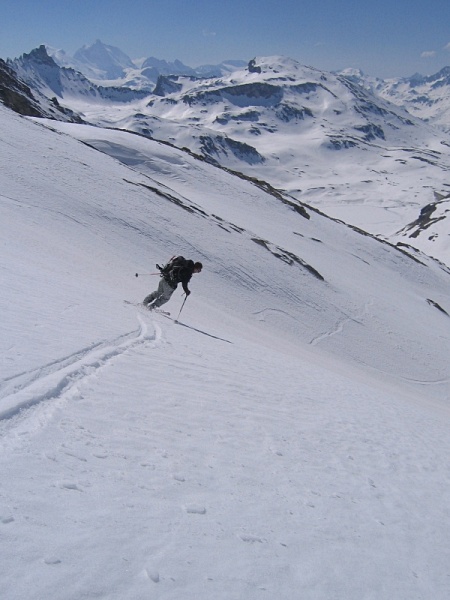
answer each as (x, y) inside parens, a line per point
(182, 275)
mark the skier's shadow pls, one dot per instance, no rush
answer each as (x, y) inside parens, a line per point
(203, 332)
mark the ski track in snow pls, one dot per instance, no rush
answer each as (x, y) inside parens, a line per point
(339, 328)
(50, 381)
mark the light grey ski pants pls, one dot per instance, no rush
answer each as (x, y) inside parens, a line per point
(161, 295)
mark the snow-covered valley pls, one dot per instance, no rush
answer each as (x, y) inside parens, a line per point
(287, 437)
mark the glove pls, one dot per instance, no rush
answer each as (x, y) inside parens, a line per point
(188, 293)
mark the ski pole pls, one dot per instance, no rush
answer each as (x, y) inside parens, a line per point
(142, 274)
(184, 302)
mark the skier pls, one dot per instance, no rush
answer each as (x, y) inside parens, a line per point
(178, 270)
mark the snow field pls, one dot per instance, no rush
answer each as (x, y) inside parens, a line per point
(201, 478)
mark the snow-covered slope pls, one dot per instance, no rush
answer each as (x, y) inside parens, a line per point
(318, 136)
(257, 244)
(288, 436)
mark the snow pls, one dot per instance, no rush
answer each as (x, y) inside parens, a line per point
(286, 438)
(382, 164)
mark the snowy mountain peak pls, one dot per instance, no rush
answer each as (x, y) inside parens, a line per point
(39, 56)
(281, 67)
(107, 61)
(17, 95)
(163, 67)
(442, 77)
(41, 72)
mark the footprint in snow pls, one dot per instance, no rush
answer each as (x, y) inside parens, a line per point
(152, 574)
(195, 509)
(100, 455)
(6, 520)
(70, 486)
(74, 455)
(251, 539)
(52, 560)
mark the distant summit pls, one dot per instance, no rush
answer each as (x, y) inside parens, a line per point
(39, 56)
(167, 68)
(107, 62)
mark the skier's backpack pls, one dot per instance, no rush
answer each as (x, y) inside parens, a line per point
(171, 270)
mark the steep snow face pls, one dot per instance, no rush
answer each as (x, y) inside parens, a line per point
(274, 263)
(286, 437)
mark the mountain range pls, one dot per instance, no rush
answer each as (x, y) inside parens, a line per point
(107, 65)
(426, 97)
(341, 142)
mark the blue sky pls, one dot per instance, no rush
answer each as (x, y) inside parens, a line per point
(385, 38)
